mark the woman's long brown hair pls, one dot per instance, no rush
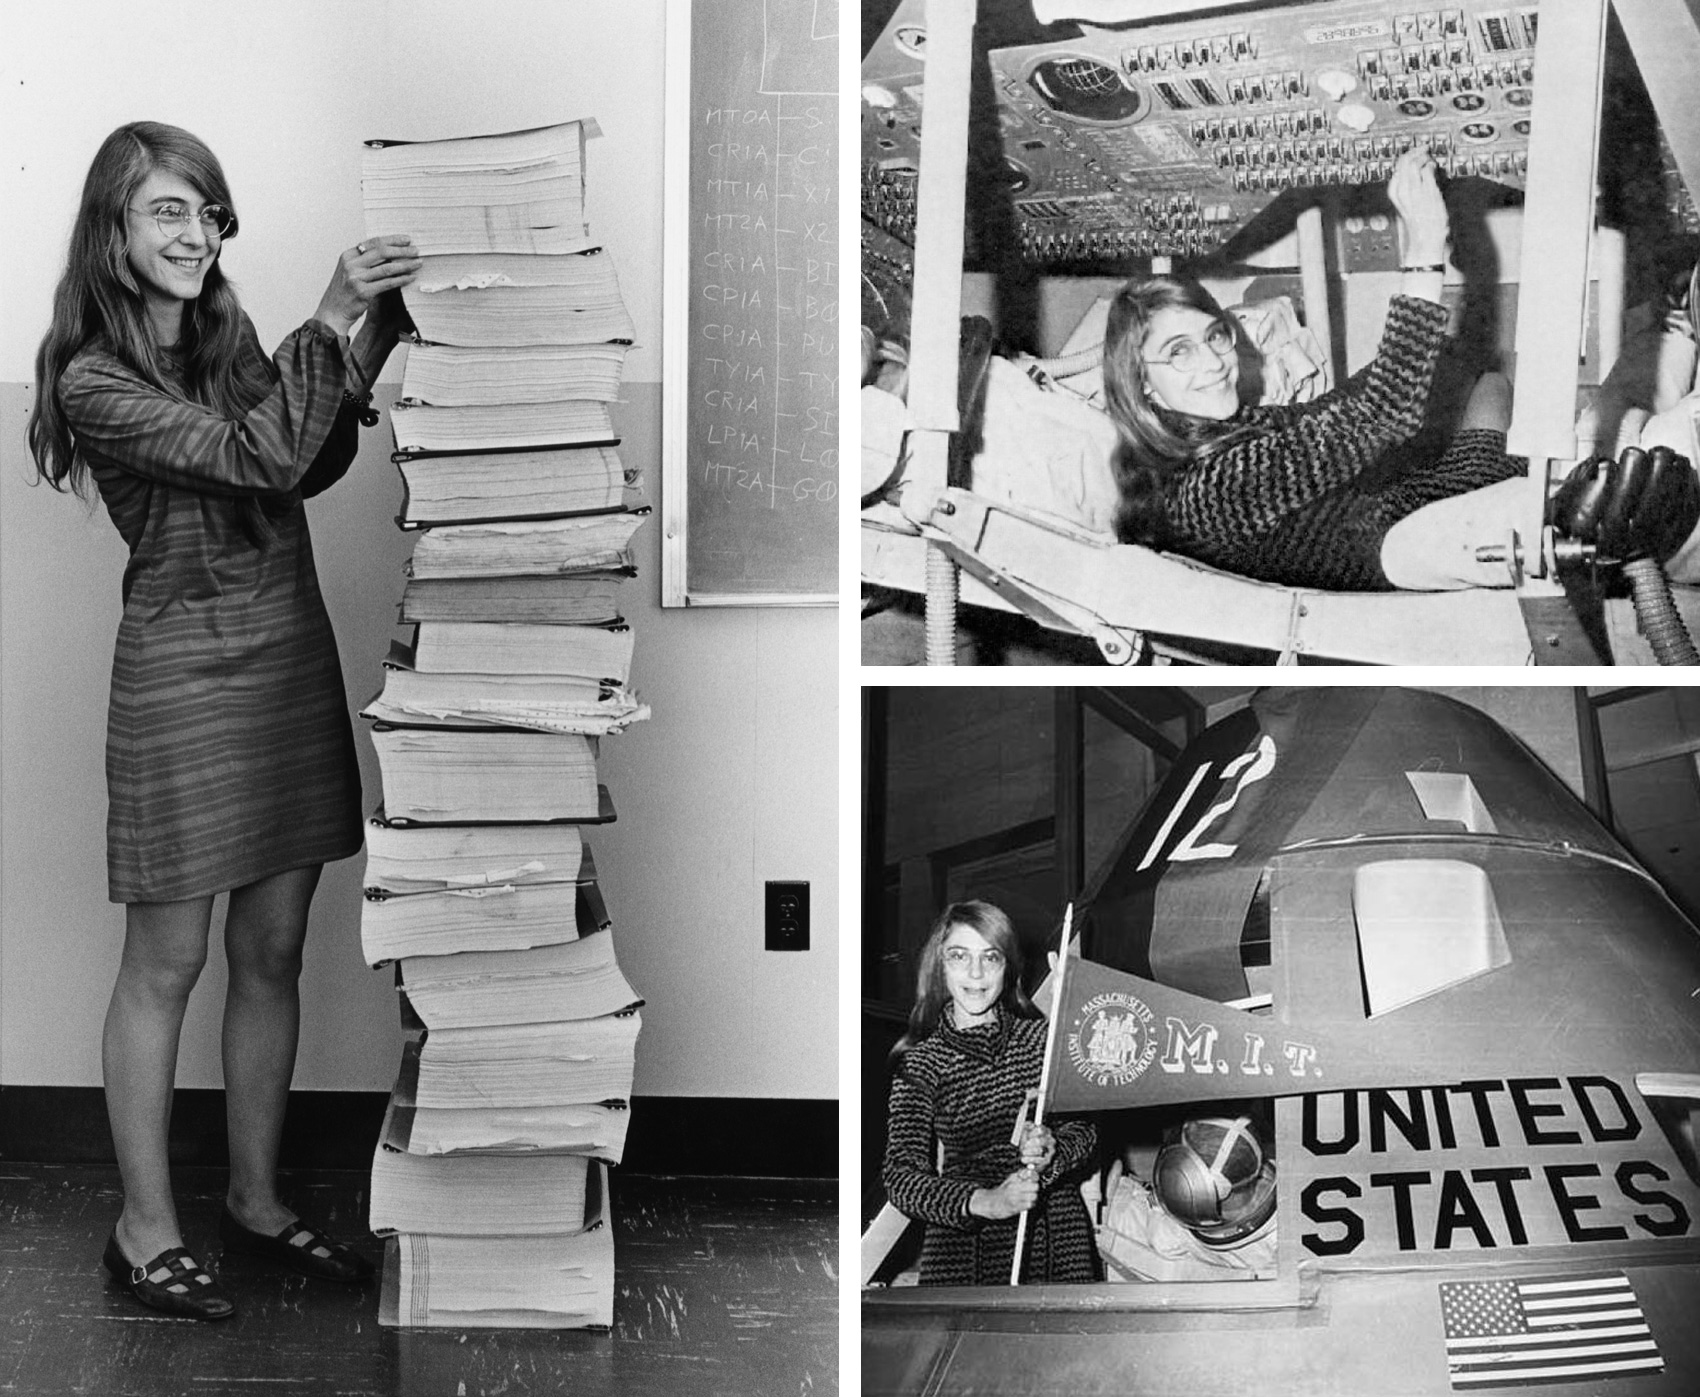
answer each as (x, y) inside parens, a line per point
(1155, 444)
(931, 992)
(98, 298)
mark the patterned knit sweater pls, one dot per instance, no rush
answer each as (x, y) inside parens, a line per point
(1293, 500)
(963, 1089)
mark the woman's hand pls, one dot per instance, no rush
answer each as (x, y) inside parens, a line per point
(1423, 220)
(1038, 1147)
(362, 275)
(1016, 1194)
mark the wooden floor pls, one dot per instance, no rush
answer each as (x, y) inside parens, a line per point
(723, 1287)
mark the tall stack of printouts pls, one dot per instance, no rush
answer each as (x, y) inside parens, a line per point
(490, 1180)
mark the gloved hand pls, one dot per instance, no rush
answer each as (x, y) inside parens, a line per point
(1643, 505)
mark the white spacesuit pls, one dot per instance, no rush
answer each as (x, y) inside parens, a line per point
(1208, 1213)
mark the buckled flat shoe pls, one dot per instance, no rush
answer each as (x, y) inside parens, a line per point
(173, 1282)
(299, 1247)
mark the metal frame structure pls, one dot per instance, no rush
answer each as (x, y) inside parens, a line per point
(1119, 595)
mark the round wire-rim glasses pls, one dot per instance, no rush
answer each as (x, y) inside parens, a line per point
(960, 958)
(173, 219)
(1189, 354)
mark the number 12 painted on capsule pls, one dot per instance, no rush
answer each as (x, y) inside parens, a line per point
(1249, 768)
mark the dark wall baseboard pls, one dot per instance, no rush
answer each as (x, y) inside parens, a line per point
(751, 1137)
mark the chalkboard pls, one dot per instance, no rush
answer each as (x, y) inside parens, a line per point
(750, 419)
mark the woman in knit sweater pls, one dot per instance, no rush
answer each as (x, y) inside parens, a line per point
(1294, 494)
(974, 1050)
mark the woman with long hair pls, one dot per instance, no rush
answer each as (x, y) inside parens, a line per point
(229, 754)
(1308, 495)
(974, 1050)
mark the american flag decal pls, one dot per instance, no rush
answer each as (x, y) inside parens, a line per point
(1553, 1329)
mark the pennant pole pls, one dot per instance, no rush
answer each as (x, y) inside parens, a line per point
(1045, 1075)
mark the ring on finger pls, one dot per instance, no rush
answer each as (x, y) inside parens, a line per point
(360, 248)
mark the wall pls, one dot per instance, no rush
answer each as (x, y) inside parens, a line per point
(966, 768)
(1650, 740)
(734, 780)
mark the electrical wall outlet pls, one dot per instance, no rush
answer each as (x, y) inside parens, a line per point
(787, 918)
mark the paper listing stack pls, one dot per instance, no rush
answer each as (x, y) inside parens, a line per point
(490, 1181)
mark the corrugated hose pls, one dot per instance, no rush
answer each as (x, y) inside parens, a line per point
(1656, 612)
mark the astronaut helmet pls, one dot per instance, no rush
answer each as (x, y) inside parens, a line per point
(1214, 1177)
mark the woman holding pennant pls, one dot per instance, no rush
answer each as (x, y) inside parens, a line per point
(961, 1155)
(229, 756)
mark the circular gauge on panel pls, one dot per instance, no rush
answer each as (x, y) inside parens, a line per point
(1469, 101)
(1017, 178)
(1085, 88)
(911, 39)
(1519, 96)
(1416, 107)
(1478, 132)
(1521, 126)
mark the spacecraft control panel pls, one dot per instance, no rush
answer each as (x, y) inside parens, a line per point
(1166, 138)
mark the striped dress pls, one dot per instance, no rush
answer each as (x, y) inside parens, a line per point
(229, 752)
(1306, 496)
(964, 1089)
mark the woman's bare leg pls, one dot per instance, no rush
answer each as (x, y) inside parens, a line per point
(263, 935)
(1433, 549)
(165, 947)
(1489, 407)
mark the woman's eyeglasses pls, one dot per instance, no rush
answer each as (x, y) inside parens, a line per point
(1188, 355)
(960, 958)
(216, 221)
